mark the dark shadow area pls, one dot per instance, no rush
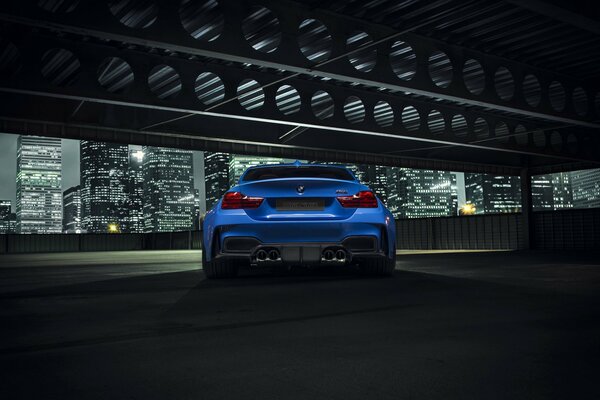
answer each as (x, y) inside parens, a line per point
(431, 331)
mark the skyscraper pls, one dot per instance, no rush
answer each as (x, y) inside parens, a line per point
(562, 190)
(551, 192)
(135, 192)
(72, 210)
(216, 176)
(238, 164)
(103, 185)
(7, 217)
(417, 193)
(542, 192)
(39, 197)
(168, 189)
(586, 188)
(376, 177)
(493, 194)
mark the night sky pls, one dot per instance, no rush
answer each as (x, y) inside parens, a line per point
(70, 167)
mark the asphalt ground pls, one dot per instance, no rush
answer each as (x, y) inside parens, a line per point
(148, 325)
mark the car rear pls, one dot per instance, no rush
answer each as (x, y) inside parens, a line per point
(298, 214)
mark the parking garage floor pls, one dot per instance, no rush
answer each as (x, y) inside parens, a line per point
(491, 325)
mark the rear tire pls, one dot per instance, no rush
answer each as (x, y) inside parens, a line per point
(220, 268)
(378, 266)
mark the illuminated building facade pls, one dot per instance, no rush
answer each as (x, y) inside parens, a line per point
(39, 196)
(8, 219)
(72, 210)
(492, 194)
(216, 177)
(169, 199)
(586, 188)
(135, 192)
(103, 185)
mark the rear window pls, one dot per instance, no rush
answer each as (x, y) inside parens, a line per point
(259, 174)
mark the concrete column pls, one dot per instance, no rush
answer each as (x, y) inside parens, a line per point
(527, 209)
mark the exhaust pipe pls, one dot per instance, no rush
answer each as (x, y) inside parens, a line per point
(261, 255)
(328, 255)
(340, 255)
(273, 255)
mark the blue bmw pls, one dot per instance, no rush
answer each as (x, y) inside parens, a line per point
(298, 215)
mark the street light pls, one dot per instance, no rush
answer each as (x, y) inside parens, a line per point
(113, 228)
(467, 209)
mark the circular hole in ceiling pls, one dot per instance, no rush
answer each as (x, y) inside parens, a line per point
(60, 67)
(363, 60)
(322, 104)
(580, 101)
(261, 29)
(383, 114)
(459, 126)
(504, 83)
(354, 110)
(411, 119)
(403, 60)
(481, 128)
(521, 135)
(58, 6)
(203, 20)
(134, 13)
(164, 82)
(114, 75)
(10, 62)
(539, 138)
(436, 123)
(501, 132)
(474, 76)
(209, 88)
(556, 92)
(532, 90)
(440, 69)
(288, 99)
(250, 95)
(556, 141)
(314, 40)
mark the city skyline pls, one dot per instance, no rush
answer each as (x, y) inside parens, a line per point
(154, 189)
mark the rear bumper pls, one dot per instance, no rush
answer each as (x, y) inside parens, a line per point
(301, 254)
(232, 233)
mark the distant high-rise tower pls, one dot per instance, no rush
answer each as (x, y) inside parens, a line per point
(562, 190)
(6, 217)
(135, 192)
(586, 188)
(72, 210)
(238, 164)
(168, 189)
(421, 193)
(492, 194)
(39, 197)
(103, 185)
(542, 192)
(376, 177)
(216, 176)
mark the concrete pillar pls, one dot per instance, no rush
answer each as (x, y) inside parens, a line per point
(527, 209)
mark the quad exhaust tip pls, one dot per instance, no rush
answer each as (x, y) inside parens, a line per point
(340, 255)
(328, 255)
(273, 255)
(261, 255)
(332, 255)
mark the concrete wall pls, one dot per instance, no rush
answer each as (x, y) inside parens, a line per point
(502, 231)
(568, 229)
(99, 242)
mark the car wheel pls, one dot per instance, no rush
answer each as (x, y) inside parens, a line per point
(378, 266)
(220, 268)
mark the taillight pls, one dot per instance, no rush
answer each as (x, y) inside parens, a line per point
(236, 200)
(363, 199)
